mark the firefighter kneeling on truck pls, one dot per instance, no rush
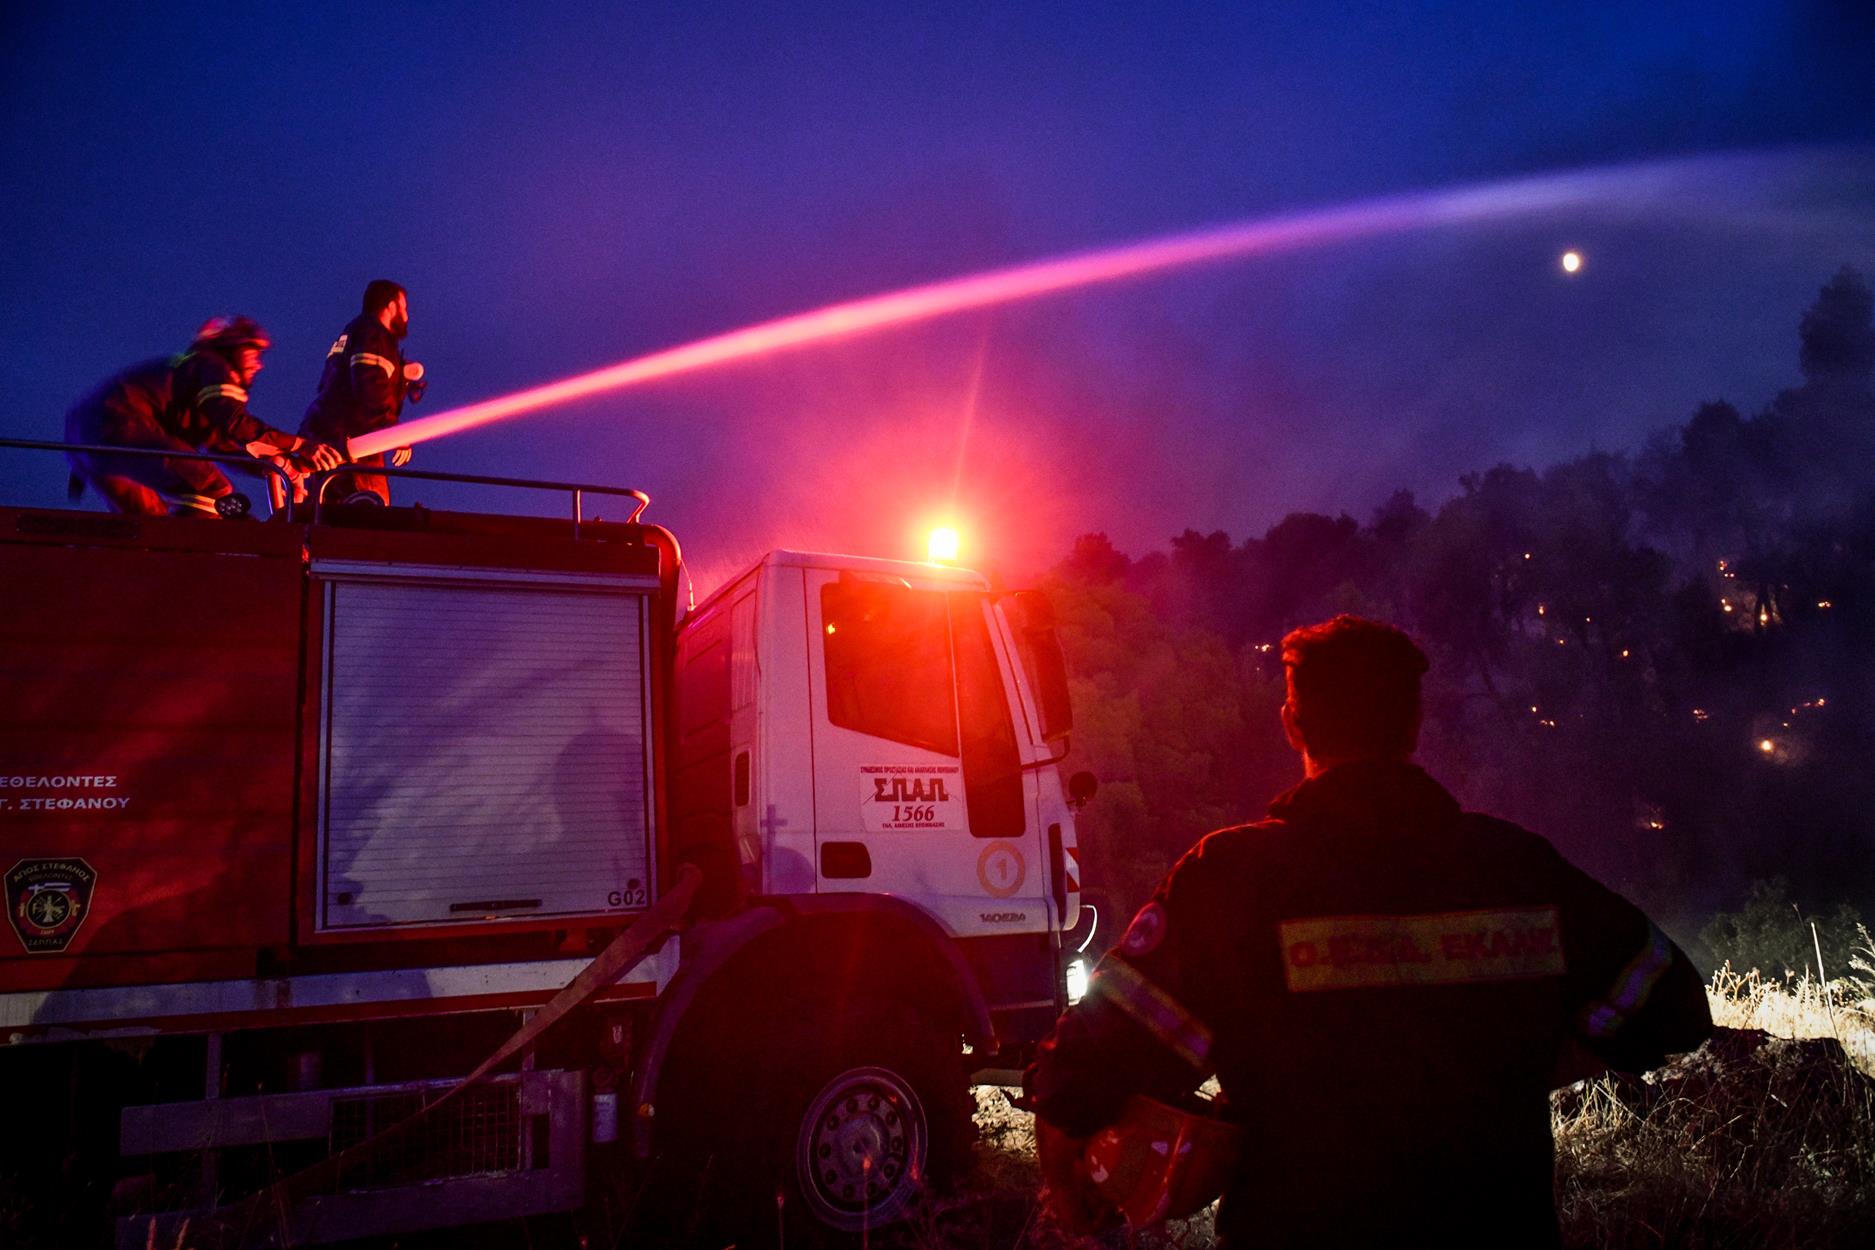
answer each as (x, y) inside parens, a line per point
(1385, 986)
(193, 402)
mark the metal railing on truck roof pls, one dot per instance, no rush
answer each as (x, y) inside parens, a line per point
(282, 482)
(239, 460)
(316, 488)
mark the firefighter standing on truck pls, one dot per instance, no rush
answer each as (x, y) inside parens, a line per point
(363, 388)
(193, 402)
(1386, 987)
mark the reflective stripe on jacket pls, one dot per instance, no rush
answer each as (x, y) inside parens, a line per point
(194, 399)
(361, 387)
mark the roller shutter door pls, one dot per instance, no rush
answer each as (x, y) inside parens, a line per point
(484, 753)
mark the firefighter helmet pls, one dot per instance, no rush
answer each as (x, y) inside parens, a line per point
(232, 333)
(1158, 1162)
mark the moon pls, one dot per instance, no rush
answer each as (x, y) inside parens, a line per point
(1571, 261)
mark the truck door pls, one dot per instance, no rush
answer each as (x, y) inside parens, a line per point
(919, 789)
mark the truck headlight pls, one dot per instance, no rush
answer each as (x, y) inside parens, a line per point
(1077, 980)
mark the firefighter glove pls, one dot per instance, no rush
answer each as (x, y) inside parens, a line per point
(414, 381)
(400, 457)
(319, 455)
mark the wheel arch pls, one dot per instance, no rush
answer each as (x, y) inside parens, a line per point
(794, 949)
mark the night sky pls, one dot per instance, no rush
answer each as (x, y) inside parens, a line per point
(562, 188)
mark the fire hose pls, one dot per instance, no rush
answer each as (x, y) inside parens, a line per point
(234, 1225)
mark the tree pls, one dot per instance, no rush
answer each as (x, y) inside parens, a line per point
(1838, 332)
(1094, 561)
(1294, 568)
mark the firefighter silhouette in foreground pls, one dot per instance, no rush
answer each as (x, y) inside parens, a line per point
(363, 387)
(1385, 986)
(196, 401)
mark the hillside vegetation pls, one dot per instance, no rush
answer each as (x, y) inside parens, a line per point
(1692, 626)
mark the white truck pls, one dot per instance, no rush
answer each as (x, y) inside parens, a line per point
(302, 818)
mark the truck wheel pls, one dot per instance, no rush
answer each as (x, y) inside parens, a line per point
(875, 1116)
(845, 1121)
(861, 1147)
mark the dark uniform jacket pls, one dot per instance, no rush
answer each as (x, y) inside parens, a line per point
(194, 400)
(1384, 986)
(362, 386)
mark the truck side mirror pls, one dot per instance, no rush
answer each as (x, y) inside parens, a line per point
(1081, 788)
(1033, 620)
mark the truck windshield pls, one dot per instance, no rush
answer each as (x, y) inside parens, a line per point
(889, 663)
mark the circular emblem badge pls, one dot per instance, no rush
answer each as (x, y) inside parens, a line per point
(1001, 869)
(49, 908)
(1146, 931)
(47, 900)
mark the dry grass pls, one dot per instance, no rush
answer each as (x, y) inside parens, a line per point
(1803, 1007)
(1765, 1137)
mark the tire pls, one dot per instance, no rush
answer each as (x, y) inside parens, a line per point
(868, 1120)
(862, 1146)
(817, 1135)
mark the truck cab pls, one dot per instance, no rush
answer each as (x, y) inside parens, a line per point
(886, 729)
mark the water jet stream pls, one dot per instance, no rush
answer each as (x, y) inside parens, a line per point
(1482, 202)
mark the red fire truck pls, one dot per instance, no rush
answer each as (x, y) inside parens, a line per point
(301, 818)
